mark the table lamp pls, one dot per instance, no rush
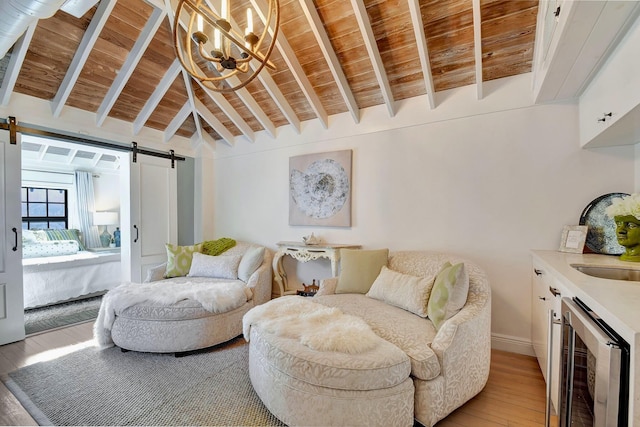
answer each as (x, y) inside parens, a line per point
(105, 219)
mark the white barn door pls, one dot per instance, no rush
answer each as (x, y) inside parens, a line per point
(11, 296)
(149, 214)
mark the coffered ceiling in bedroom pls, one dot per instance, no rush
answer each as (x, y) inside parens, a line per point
(117, 62)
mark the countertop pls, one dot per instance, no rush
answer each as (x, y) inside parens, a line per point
(617, 302)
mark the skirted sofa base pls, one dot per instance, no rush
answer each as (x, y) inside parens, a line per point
(186, 326)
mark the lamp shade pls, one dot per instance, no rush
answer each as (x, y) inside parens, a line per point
(105, 218)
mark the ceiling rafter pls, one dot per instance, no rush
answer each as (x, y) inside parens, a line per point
(18, 54)
(177, 121)
(423, 50)
(229, 111)
(317, 27)
(157, 95)
(71, 155)
(374, 54)
(279, 99)
(89, 39)
(477, 46)
(187, 83)
(141, 44)
(213, 121)
(294, 66)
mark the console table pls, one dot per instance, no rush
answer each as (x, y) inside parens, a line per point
(302, 252)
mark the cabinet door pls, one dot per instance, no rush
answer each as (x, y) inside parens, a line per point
(11, 296)
(153, 219)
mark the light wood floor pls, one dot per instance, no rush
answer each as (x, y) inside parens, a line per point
(514, 395)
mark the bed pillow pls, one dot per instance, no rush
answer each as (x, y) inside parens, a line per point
(219, 267)
(179, 259)
(29, 237)
(251, 260)
(408, 292)
(65, 234)
(359, 268)
(216, 247)
(449, 293)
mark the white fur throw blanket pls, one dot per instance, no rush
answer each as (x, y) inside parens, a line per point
(216, 297)
(316, 326)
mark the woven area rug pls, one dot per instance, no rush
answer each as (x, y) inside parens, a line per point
(108, 387)
(59, 315)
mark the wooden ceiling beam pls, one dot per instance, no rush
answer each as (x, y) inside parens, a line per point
(89, 39)
(177, 121)
(294, 67)
(141, 44)
(272, 88)
(212, 120)
(157, 95)
(423, 50)
(12, 72)
(374, 54)
(477, 46)
(192, 101)
(317, 27)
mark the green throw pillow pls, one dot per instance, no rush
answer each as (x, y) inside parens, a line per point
(449, 293)
(65, 234)
(216, 247)
(359, 269)
(179, 259)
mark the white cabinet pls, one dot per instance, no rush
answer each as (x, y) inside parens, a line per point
(546, 293)
(610, 106)
(573, 40)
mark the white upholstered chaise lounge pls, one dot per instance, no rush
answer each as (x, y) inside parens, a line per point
(183, 326)
(417, 370)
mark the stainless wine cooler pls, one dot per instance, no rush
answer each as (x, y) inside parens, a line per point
(595, 370)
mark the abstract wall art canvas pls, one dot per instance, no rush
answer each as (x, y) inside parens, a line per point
(320, 189)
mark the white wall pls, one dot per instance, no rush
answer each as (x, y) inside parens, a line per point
(490, 186)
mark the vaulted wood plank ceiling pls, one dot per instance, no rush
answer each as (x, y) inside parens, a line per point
(332, 57)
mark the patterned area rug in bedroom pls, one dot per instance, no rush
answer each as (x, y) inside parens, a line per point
(59, 315)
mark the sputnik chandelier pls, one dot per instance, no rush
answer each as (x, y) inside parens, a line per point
(211, 50)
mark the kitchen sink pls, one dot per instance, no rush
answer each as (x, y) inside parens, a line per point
(613, 273)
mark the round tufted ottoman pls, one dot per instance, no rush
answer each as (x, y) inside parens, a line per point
(302, 386)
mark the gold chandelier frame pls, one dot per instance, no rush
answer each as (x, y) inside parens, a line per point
(221, 60)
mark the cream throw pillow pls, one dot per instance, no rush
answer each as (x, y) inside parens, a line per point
(218, 267)
(359, 268)
(408, 292)
(449, 293)
(179, 259)
(251, 260)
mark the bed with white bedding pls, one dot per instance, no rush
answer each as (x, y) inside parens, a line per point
(53, 279)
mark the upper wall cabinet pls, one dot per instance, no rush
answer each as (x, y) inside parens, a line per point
(610, 106)
(573, 39)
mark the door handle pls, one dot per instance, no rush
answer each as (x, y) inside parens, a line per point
(137, 233)
(15, 232)
(538, 272)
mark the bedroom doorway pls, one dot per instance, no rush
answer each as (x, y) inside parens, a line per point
(63, 285)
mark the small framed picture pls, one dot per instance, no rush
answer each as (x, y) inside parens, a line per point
(573, 238)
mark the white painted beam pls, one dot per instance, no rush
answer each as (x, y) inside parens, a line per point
(130, 63)
(229, 111)
(157, 95)
(279, 99)
(477, 43)
(330, 56)
(423, 50)
(177, 121)
(15, 64)
(289, 57)
(210, 118)
(82, 53)
(374, 54)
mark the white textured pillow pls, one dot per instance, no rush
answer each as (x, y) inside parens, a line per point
(219, 267)
(156, 273)
(408, 292)
(251, 260)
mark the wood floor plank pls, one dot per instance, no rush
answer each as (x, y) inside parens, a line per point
(513, 396)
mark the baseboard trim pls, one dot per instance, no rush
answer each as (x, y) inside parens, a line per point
(511, 344)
